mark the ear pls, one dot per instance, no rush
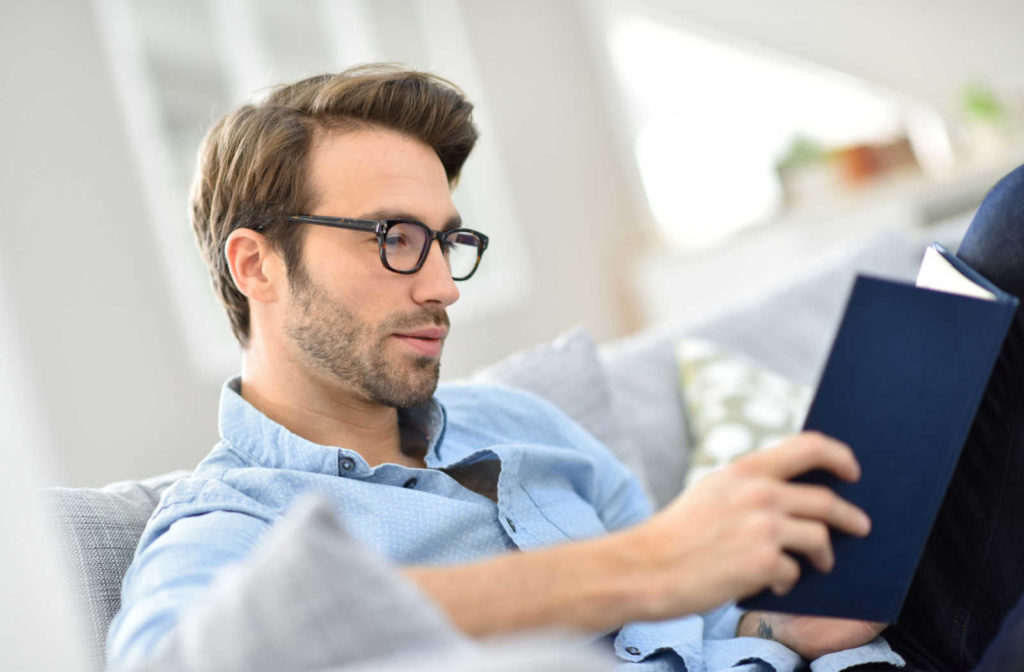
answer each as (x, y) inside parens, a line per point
(258, 270)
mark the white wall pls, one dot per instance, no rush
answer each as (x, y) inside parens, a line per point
(103, 346)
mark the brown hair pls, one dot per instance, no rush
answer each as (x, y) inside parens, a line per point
(252, 170)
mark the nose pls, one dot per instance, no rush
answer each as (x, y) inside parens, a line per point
(434, 282)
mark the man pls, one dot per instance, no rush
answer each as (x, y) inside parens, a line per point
(318, 211)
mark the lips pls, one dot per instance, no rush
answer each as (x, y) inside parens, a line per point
(426, 342)
(430, 333)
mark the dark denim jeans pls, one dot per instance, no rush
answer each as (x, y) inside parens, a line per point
(971, 575)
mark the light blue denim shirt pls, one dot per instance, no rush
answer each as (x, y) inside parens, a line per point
(556, 484)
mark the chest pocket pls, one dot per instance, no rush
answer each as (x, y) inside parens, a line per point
(571, 516)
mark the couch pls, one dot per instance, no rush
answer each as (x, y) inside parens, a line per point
(626, 392)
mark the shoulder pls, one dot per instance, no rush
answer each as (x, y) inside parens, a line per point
(561, 451)
(510, 414)
(491, 397)
(213, 487)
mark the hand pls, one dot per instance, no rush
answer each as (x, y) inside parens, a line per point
(810, 636)
(731, 534)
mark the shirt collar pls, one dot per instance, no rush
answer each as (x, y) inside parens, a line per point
(268, 444)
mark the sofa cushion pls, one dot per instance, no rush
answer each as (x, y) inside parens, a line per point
(644, 384)
(97, 531)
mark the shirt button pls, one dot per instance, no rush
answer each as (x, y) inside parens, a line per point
(632, 650)
(347, 463)
(411, 483)
(511, 525)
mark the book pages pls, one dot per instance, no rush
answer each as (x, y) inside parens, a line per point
(937, 273)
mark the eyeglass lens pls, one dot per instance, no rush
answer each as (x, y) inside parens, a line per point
(405, 242)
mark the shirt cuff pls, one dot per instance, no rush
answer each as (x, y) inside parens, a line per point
(641, 640)
(722, 623)
(724, 654)
(875, 651)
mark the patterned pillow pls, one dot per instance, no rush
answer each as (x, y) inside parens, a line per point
(734, 405)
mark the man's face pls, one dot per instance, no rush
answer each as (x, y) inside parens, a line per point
(349, 320)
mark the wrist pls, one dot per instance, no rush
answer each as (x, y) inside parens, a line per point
(744, 627)
(759, 624)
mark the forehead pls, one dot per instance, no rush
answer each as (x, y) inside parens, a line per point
(367, 170)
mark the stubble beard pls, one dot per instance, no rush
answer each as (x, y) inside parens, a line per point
(336, 342)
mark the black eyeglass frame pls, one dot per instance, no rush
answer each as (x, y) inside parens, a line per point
(381, 228)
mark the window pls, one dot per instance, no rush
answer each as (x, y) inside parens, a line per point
(709, 119)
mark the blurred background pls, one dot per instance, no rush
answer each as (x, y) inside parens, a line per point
(641, 162)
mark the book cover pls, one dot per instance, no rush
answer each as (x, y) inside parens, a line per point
(901, 386)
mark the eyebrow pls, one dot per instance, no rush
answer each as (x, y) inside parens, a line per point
(454, 222)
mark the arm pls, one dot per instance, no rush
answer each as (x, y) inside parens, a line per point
(171, 574)
(727, 537)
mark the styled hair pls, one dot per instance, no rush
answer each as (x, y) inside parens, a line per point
(253, 164)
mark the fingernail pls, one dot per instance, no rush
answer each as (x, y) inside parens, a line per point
(865, 523)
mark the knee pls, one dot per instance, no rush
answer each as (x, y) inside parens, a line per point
(994, 243)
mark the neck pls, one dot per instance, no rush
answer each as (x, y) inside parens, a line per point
(321, 410)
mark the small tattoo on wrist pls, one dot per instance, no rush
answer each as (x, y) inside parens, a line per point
(764, 631)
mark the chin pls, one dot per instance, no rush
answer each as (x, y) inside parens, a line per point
(403, 391)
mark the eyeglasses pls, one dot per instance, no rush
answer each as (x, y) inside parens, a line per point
(404, 244)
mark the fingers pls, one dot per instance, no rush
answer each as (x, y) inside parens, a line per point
(819, 503)
(797, 500)
(810, 539)
(786, 576)
(800, 454)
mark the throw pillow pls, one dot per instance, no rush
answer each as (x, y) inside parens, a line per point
(734, 405)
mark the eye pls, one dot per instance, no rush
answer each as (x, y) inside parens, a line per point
(396, 239)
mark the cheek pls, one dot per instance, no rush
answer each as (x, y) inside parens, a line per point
(364, 300)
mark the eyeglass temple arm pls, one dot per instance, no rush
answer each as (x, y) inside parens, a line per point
(340, 222)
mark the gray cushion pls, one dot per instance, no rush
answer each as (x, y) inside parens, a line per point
(97, 531)
(309, 598)
(644, 383)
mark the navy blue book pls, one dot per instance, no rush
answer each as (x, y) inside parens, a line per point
(902, 384)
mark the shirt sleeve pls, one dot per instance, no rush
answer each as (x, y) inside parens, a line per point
(171, 573)
(620, 499)
(877, 651)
